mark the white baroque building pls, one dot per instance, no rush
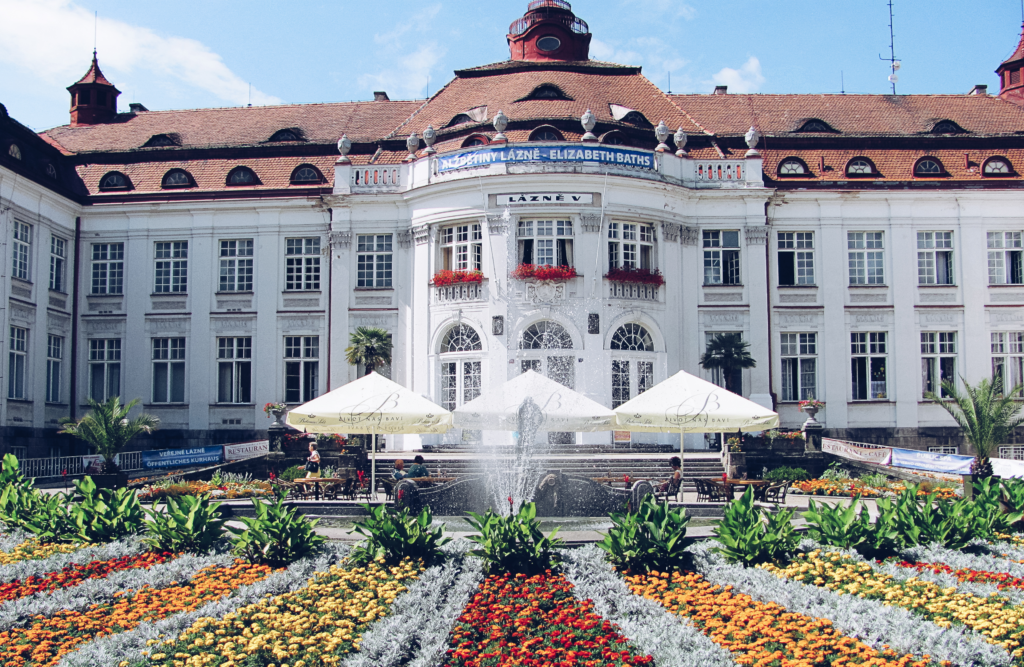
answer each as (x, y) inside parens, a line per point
(212, 260)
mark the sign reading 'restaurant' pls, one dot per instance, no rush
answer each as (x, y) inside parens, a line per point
(546, 198)
(605, 155)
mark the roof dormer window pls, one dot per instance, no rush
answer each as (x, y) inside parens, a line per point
(546, 133)
(459, 119)
(177, 178)
(793, 167)
(860, 166)
(115, 180)
(816, 125)
(997, 166)
(637, 119)
(14, 151)
(242, 176)
(546, 91)
(162, 141)
(947, 127)
(288, 134)
(306, 174)
(929, 167)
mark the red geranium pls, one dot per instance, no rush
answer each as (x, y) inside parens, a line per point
(1000, 579)
(443, 278)
(543, 272)
(72, 575)
(632, 275)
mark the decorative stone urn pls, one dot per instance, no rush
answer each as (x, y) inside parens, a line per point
(811, 411)
(278, 414)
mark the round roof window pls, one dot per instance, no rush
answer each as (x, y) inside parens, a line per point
(548, 43)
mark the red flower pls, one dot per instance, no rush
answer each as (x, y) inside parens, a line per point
(446, 277)
(543, 272)
(627, 274)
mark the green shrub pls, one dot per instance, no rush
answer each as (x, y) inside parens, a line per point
(876, 480)
(292, 474)
(514, 543)
(10, 473)
(186, 524)
(277, 536)
(46, 516)
(850, 527)
(395, 535)
(921, 521)
(652, 538)
(787, 474)
(834, 471)
(750, 535)
(105, 515)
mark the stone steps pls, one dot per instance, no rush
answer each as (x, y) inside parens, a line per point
(636, 468)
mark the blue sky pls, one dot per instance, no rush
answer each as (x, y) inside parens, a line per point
(192, 53)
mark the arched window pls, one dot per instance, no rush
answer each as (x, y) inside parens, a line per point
(476, 140)
(286, 135)
(815, 125)
(793, 167)
(177, 178)
(613, 138)
(461, 377)
(546, 133)
(114, 180)
(636, 118)
(242, 176)
(459, 119)
(545, 335)
(997, 166)
(928, 166)
(632, 337)
(306, 174)
(161, 141)
(860, 166)
(947, 127)
(14, 151)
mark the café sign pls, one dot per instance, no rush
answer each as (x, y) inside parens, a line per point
(483, 157)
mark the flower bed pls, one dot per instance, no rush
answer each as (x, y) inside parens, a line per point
(636, 276)
(1000, 580)
(543, 272)
(225, 490)
(759, 633)
(849, 488)
(533, 622)
(44, 640)
(445, 278)
(316, 625)
(74, 574)
(1001, 622)
(33, 549)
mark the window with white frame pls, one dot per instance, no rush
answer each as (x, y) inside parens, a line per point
(107, 268)
(868, 365)
(545, 242)
(462, 248)
(635, 371)
(302, 264)
(234, 369)
(796, 258)
(58, 261)
(374, 260)
(1005, 266)
(938, 361)
(630, 246)
(168, 370)
(301, 368)
(171, 267)
(104, 368)
(461, 374)
(1008, 358)
(721, 257)
(21, 248)
(867, 258)
(935, 258)
(236, 265)
(16, 362)
(54, 363)
(799, 366)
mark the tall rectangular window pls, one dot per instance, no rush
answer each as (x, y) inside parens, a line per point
(867, 258)
(868, 365)
(168, 370)
(799, 366)
(938, 361)
(58, 260)
(236, 266)
(373, 260)
(721, 257)
(16, 363)
(1008, 358)
(302, 264)
(545, 242)
(301, 368)
(461, 382)
(54, 361)
(234, 370)
(935, 258)
(171, 267)
(1005, 266)
(107, 268)
(104, 368)
(630, 246)
(620, 383)
(462, 248)
(21, 248)
(796, 258)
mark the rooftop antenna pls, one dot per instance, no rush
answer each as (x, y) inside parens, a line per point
(893, 63)
(95, 24)
(670, 77)
(250, 93)
(842, 80)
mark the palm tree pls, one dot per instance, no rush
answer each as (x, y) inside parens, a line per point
(108, 430)
(370, 346)
(986, 415)
(728, 352)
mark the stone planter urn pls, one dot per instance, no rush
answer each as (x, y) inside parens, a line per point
(811, 411)
(278, 415)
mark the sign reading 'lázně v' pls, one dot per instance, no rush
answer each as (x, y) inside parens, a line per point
(604, 155)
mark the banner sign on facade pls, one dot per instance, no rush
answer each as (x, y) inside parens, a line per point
(246, 450)
(181, 458)
(917, 460)
(605, 155)
(846, 450)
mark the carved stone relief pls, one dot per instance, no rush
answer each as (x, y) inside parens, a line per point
(1004, 297)
(25, 314)
(497, 225)
(1010, 316)
(341, 239)
(405, 239)
(373, 301)
(798, 298)
(939, 317)
(301, 323)
(715, 297)
(220, 325)
(756, 235)
(591, 222)
(545, 292)
(878, 317)
(671, 230)
(301, 303)
(168, 305)
(728, 317)
(104, 326)
(176, 325)
(421, 235)
(688, 235)
(58, 322)
(799, 318)
(939, 297)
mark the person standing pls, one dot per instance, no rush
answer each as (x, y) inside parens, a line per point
(313, 462)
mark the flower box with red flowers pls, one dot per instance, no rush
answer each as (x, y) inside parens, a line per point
(636, 276)
(445, 278)
(544, 272)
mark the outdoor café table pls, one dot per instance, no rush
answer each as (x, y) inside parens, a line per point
(317, 481)
(610, 481)
(760, 486)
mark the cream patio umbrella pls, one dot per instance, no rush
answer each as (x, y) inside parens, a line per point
(372, 404)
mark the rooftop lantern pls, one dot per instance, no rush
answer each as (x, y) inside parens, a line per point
(549, 31)
(93, 97)
(1011, 75)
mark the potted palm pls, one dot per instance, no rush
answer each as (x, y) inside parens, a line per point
(728, 352)
(369, 346)
(108, 431)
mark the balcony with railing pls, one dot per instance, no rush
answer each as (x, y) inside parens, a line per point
(633, 291)
(376, 178)
(459, 293)
(549, 10)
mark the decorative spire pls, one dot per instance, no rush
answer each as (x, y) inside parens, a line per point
(93, 97)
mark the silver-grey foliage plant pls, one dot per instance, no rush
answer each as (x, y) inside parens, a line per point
(671, 640)
(19, 571)
(868, 620)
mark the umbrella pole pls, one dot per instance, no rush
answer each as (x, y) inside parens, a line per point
(682, 460)
(373, 467)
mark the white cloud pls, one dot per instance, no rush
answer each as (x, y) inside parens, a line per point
(406, 76)
(746, 79)
(395, 35)
(129, 50)
(663, 9)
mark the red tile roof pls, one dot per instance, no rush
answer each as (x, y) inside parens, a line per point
(891, 165)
